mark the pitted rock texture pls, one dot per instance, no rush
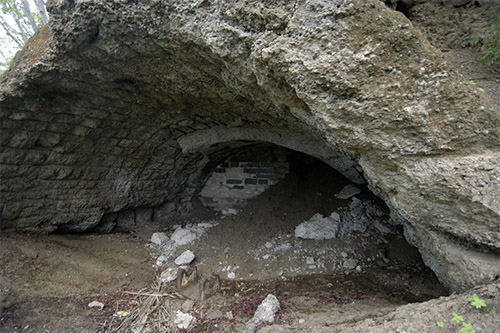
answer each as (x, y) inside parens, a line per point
(119, 106)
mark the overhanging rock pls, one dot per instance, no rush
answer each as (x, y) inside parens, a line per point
(101, 112)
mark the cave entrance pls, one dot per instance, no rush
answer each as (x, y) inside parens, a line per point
(290, 218)
(289, 185)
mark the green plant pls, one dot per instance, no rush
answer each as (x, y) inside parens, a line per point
(439, 323)
(458, 319)
(467, 328)
(472, 82)
(476, 301)
(490, 41)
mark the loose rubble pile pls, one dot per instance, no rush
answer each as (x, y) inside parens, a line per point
(166, 245)
(346, 240)
(359, 217)
(201, 260)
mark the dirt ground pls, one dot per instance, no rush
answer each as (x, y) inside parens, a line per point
(46, 282)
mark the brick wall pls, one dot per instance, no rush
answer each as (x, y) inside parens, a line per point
(233, 182)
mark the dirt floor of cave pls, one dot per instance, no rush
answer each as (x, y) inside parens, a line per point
(47, 281)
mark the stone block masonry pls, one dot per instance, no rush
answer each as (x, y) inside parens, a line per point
(232, 184)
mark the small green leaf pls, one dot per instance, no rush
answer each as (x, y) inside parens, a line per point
(467, 328)
(472, 82)
(440, 323)
(456, 318)
(412, 313)
(480, 89)
(476, 301)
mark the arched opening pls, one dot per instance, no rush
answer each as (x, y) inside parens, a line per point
(269, 215)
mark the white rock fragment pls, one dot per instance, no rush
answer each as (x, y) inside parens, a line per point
(183, 320)
(229, 211)
(231, 275)
(350, 264)
(265, 313)
(161, 261)
(319, 227)
(185, 258)
(183, 236)
(348, 191)
(309, 260)
(268, 245)
(159, 238)
(96, 304)
(169, 275)
(266, 256)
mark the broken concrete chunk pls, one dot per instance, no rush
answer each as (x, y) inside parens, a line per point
(159, 238)
(185, 258)
(348, 191)
(183, 320)
(319, 227)
(265, 313)
(183, 236)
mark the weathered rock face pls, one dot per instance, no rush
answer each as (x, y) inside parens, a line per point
(116, 108)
